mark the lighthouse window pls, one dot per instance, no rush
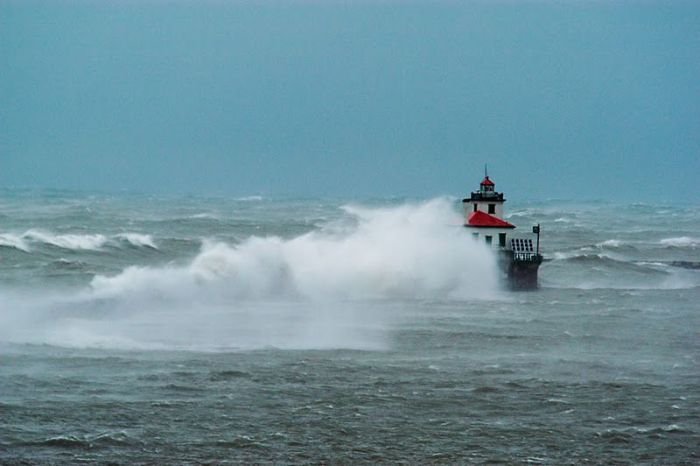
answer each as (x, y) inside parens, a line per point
(492, 208)
(489, 239)
(502, 240)
(475, 207)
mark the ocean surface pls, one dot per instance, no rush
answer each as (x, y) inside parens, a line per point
(190, 330)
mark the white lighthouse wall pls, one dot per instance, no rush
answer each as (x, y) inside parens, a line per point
(482, 233)
(484, 207)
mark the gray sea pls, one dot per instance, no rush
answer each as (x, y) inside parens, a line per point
(189, 330)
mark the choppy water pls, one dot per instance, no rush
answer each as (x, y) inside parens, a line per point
(139, 330)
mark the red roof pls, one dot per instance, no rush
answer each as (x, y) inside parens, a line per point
(487, 182)
(482, 219)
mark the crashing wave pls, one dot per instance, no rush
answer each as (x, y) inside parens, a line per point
(408, 251)
(336, 287)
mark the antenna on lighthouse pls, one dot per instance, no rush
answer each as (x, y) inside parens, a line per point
(486, 170)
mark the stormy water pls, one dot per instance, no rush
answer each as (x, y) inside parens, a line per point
(189, 330)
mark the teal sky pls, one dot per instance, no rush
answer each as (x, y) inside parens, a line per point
(563, 99)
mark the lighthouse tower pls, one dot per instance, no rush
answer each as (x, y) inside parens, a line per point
(518, 258)
(484, 214)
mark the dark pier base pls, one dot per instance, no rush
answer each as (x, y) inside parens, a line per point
(521, 270)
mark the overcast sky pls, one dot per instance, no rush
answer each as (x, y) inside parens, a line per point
(563, 99)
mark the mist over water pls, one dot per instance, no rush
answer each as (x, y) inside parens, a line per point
(335, 286)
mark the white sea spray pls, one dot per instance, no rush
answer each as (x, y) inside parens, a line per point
(331, 287)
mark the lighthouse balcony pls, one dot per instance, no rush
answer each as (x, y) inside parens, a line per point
(485, 196)
(524, 256)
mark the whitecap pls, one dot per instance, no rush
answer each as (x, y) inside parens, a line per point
(681, 242)
(14, 241)
(138, 240)
(67, 241)
(611, 243)
(204, 216)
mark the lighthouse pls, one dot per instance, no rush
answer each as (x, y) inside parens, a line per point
(484, 214)
(519, 259)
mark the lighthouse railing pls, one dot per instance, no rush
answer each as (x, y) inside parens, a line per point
(523, 250)
(525, 256)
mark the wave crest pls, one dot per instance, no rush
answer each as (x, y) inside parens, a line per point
(76, 242)
(10, 240)
(68, 241)
(681, 242)
(138, 240)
